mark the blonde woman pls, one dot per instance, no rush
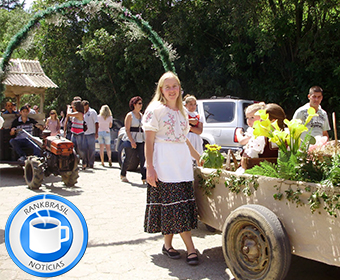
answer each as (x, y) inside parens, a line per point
(171, 206)
(53, 123)
(104, 136)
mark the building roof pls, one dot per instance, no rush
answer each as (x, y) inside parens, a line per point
(27, 73)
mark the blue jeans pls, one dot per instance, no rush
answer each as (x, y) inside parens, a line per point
(78, 142)
(89, 149)
(129, 153)
(19, 144)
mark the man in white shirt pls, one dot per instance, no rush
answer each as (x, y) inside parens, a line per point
(91, 134)
(319, 124)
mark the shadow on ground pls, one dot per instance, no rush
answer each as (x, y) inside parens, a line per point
(11, 176)
(211, 266)
(302, 268)
(127, 242)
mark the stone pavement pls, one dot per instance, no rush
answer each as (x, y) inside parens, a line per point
(117, 246)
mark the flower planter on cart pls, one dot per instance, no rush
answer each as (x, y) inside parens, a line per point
(259, 233)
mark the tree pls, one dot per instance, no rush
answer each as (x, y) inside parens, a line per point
(97, 56)
(10, 24)
(266, 50)
(11, 4)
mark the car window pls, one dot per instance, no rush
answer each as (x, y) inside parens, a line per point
(216, 112)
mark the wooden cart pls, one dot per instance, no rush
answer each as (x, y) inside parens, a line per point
(259, 233)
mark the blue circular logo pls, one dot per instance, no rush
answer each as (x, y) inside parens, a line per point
(46, 235)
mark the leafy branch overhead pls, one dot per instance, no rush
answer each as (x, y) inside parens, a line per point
(271, 51)
(91, 8)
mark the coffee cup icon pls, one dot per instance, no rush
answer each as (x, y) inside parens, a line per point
(45, 235)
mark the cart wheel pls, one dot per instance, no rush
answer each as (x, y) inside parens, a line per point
(33, 172)
(70, 178)
(255, 244)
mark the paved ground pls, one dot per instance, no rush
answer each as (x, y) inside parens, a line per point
(118, 248)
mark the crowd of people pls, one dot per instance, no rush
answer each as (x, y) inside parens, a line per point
(79, 123)
(169, 127)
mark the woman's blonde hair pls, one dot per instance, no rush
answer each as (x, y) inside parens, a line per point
(160, 97)
(105, 112)
(55, 113)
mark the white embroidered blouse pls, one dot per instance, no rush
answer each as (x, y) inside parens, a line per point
(171, 156)
(169, 125)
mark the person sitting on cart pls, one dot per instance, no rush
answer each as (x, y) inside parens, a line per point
(260, 147)
(20, 142)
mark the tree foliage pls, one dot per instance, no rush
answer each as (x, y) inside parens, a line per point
(11, 4)
(267, 50)
(10, 23)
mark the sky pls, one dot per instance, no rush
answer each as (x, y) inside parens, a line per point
(28, 4)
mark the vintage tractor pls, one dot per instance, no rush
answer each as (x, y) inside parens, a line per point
(58, 158)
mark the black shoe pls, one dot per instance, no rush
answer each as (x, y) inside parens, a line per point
(171, 254)
(192, 261)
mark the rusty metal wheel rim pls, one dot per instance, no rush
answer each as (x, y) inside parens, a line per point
(250, 247)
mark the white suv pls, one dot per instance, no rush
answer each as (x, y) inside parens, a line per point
(221, 117)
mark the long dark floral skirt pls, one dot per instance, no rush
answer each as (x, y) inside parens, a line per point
(170, 208)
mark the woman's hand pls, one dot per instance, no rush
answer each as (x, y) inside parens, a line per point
(151, 176)
(133, 144)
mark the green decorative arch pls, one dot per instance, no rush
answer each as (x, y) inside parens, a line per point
(109, 6)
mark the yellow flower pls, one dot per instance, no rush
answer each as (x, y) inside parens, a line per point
(280, 138)
(290, 124)
(263, 115)
(262, 128)
(213, 147)
(311, 114)
(295, 127)
(276, 126)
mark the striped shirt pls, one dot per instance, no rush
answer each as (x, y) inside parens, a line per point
(28, 126)
(77, 126)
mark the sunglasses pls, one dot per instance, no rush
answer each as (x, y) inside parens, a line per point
(52, 113)
(140, 103)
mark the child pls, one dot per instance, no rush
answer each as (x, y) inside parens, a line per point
(243, 137)
(260, 147)
(196, 125)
